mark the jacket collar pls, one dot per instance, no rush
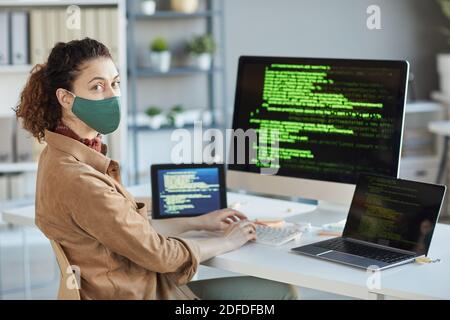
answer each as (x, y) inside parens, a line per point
(78, 150)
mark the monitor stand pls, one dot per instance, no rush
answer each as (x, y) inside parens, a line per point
(325, 212)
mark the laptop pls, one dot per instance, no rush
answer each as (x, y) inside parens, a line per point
(187, 190)
(391, 222)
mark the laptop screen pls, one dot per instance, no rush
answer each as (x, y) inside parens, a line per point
(180, 190)
(393, 212)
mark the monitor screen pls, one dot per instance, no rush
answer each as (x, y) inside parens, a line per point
(334, 117)
(187, 190)
(397, 213)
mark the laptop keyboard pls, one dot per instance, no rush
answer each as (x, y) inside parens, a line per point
(345, 246)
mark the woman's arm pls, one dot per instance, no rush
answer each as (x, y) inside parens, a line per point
(236, 232)
(235, 236)
(217, 220)
(175, 226)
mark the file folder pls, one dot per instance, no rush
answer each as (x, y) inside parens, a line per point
(37, 37)
(6, 143)
(4, 37)
(19, 37)
(23, 144)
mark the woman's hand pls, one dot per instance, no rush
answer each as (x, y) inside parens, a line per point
(219, 220)
(239, 233)
(234, 236)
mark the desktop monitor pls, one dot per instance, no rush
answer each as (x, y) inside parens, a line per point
(334, 118)
(187, 190)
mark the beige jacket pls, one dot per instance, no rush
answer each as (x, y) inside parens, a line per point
(81, 204)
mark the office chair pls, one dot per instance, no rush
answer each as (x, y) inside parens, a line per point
(64, 292)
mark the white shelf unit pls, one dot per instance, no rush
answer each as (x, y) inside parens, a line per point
(11, 69)
(417, 165)
(52, 3)
(441, 97)
(13, 77)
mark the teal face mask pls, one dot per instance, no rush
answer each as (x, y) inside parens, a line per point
(101, 115)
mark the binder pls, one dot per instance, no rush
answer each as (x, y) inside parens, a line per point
(6, 143)
(4, 38)
(70, 32)
(51, 26)
(23, 144)
(89, 22)
(58, 33)
(64, 34)
(19, 37)
(38, 45)
(105, 29)
(114, 18)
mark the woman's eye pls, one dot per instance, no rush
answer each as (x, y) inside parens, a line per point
(116, 84)
(98, 87)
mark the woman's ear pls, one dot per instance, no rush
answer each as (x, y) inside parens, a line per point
(65, 99)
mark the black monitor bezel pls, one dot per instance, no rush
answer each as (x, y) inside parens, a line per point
(442, 189)
(402, 65)
(156, 212)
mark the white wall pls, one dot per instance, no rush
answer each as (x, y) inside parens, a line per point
(330, 28)
(308, 28)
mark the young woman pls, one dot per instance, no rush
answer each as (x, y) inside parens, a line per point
(69, 102)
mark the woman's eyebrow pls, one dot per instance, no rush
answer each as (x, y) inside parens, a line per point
(101, 78)
(96, 78)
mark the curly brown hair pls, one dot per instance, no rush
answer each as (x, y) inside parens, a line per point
(38, 107)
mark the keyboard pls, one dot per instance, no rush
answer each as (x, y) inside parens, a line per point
(276, 236)
(358, 249)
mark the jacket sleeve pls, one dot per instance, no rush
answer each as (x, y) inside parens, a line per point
(113, 220)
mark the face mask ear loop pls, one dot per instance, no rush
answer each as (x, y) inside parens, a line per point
(71, 93)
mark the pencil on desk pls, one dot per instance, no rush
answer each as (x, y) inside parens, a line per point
(329, 233)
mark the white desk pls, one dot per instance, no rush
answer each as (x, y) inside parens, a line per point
(280, 264)
(13, 168)
(441, 128)
(18, 167)
(421, 281)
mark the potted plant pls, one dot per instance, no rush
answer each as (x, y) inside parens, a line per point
(184, 6)
(148, 7)
(443, 59)
(175, 116)
(156, 117)
(201, 48)
(160, 55)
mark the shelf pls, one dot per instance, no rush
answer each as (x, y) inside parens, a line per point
(423, 106)
(17, 167)
(440, 97)
(26, 68)
(167, 128)
(33, 3)
(173, 15)
(440, 127)
(211, 13)
(148, 72)
(415, 160)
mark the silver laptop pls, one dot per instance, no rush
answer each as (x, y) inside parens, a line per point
(391, 222)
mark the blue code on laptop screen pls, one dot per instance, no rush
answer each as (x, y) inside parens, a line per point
(188, 191)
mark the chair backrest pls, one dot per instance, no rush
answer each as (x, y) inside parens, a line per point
(67, 276)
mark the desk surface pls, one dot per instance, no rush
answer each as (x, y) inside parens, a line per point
(278, 263)
(421, 281)
(256, 207)
(13, 167)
